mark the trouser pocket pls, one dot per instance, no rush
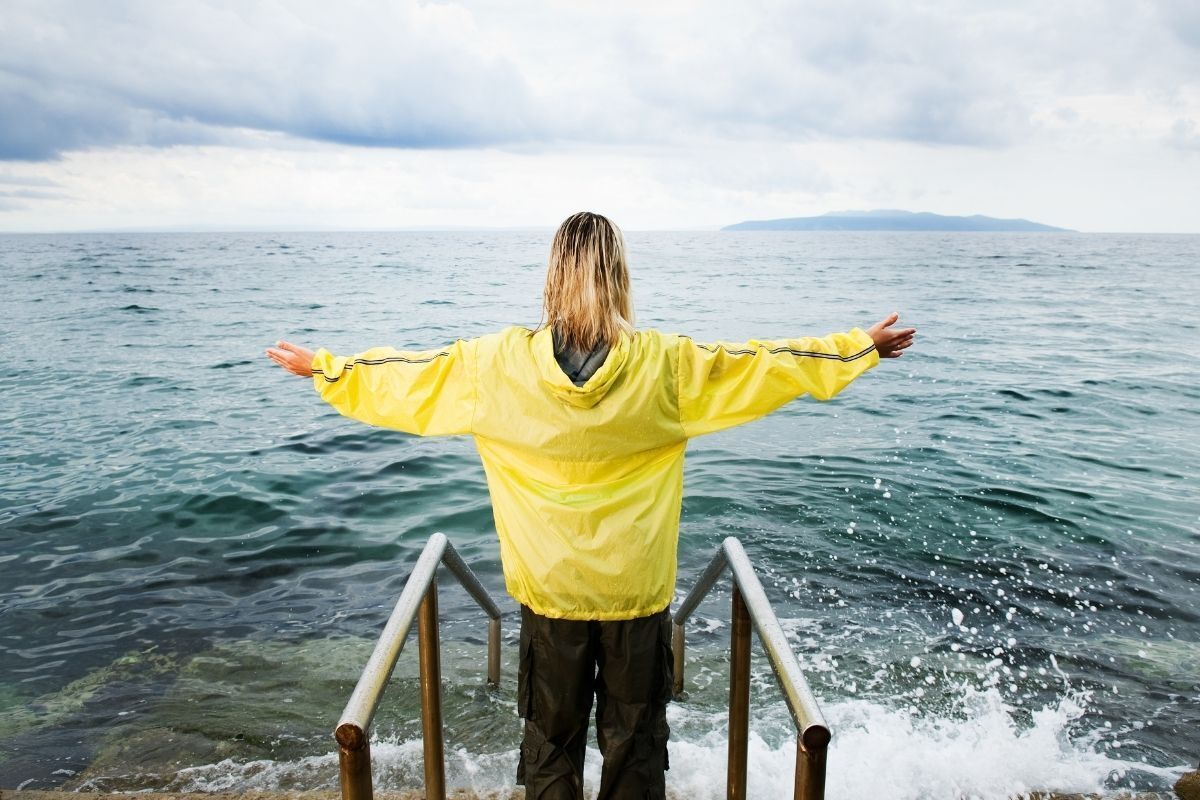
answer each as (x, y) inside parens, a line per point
(525, 670)
(666, 665)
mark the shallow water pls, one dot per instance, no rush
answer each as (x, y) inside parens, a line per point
(985, 553)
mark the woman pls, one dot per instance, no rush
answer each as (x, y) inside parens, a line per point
(581, 426)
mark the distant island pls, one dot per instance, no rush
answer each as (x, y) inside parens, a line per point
(891, 220)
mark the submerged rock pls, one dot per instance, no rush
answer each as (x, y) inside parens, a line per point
(1188, 786)
(415, 794)
(240, 702)
(18, 715)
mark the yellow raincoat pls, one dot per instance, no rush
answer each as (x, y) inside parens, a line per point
(587, 481)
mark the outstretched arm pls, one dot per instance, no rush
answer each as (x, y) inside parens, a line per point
(428, 393)
(724, 384)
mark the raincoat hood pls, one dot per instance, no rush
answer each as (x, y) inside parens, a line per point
(561, 386)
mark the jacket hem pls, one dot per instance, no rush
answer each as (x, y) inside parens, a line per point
(593, 616)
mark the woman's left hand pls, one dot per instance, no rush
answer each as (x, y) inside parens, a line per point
(292, 357)
(889, 341)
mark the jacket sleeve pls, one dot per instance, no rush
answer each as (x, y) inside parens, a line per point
(427, 393)
(722, 385)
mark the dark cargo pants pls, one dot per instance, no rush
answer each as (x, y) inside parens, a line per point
(627, 666)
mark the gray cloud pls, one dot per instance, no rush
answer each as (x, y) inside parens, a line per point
(30, 194)
(17, 199)
(80, 75)
(27, 180)
(39, 119)
(1183, 18)
(1184, 135)
(748, 170)
(839, 69)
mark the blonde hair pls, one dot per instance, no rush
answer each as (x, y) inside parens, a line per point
(587, 283)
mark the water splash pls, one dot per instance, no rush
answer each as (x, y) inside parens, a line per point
(980, 753)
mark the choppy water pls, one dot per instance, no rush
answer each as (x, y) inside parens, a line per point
(986, 554)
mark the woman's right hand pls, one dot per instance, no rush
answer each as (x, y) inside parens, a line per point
(292, 357)
(891, 341)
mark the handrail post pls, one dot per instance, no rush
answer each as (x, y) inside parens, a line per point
(678, 642)
(354, 761)
(431, 694)
(418, 600)
(493, 676)
(752, 611)
(810, 771)
(739, 698)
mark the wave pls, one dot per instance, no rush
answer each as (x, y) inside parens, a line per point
(878, 751)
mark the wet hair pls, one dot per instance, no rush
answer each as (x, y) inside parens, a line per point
(587, 300)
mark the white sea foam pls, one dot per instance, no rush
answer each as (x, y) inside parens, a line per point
(311, 772)
(890, 752)
(978, 752)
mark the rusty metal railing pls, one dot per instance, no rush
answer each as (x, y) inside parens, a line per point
(750, 606)
(418, 599)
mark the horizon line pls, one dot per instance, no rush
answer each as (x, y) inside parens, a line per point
(525, 229)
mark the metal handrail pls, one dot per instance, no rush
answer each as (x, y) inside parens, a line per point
(750, 605)
(419, 599)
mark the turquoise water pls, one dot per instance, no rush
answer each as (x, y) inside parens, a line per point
(986, 553)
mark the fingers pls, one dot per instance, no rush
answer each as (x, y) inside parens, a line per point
(892, 343)
(298, 350)
(884, 323)
(287, 351)
(896, 338)
(288, 361)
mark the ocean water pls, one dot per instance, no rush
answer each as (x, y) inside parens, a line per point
(986, 553)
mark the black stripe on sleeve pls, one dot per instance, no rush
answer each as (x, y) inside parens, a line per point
(372, 362)
(712, 348)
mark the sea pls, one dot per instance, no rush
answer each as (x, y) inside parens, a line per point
(985, 554)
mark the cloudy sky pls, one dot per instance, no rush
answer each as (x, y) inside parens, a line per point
(246, 114)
